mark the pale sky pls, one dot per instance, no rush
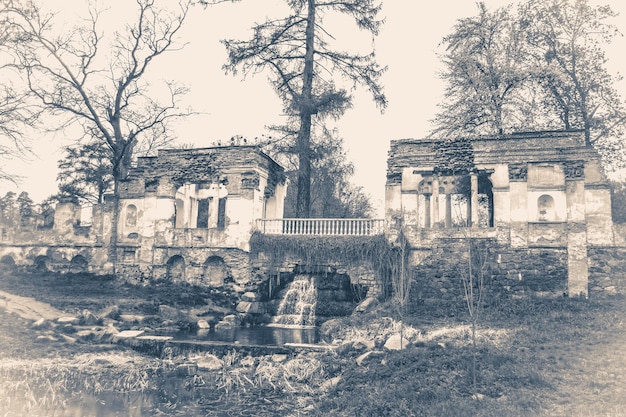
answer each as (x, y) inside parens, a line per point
(408, 45)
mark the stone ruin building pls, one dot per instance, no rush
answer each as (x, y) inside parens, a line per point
(540, 200)
(184, 215)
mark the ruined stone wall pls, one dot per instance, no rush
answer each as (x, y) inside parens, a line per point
(607, 271)
(361, 274)
(65, 246)
(511, 272)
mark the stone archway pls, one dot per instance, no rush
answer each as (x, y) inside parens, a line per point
(176, 268)
(215, 271)
(79, 264)
(7, 262)
(41, 263)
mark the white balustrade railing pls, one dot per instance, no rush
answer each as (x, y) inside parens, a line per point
(322, 227)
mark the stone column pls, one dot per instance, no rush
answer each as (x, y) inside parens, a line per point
(577, 268)
(435, 211)
(393, 204)
(518, 194)
(448, 210)
(427, 220)
(474, 199)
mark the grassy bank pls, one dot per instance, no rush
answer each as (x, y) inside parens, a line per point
(535, 358)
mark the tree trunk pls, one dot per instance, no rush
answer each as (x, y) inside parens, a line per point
(121, 168)
(307, 109)
(112, 252)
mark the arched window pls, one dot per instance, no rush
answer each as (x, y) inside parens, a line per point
(131, 215)
(545, 208)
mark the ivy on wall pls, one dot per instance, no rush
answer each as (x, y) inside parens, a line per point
(385, 257)
(454, 156)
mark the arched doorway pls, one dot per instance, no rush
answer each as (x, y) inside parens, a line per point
(215, 271)
(78, 264)
(41, 263)
(176, 268)
(7, 262)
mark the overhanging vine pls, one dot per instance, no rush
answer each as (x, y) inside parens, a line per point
(319, 250)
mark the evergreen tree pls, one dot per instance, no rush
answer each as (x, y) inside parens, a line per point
(305, 70)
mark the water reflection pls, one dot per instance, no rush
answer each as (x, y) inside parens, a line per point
(255, 335)
(174, 398)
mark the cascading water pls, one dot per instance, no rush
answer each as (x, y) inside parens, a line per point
(297, 308)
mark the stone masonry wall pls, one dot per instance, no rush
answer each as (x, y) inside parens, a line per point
(512, 272)
(607, 271)
(360, 273)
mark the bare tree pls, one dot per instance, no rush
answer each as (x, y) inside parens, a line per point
(305, 70)
(473, 275)
(78, 79)
(14, 114)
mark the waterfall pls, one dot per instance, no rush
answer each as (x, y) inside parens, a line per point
(297, 308)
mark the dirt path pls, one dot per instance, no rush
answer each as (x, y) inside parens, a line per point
(28, 308)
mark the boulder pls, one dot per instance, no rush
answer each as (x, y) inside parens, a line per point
(331, 327)
(251, 307)
(209, 363)
(368, 357)
(363, 344)
(224, 325)
(257, 308)
(169, 313)
(279, 357)
(244, 306)
(41, 323)
(67, 320)
(132, 318)
(127, 334)
(249, 296)
(232, 319)
(106, 334)
(396, 342)
(68, 339)
(366, 305)
(330, 383)
(87, 318)
(203, 324)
